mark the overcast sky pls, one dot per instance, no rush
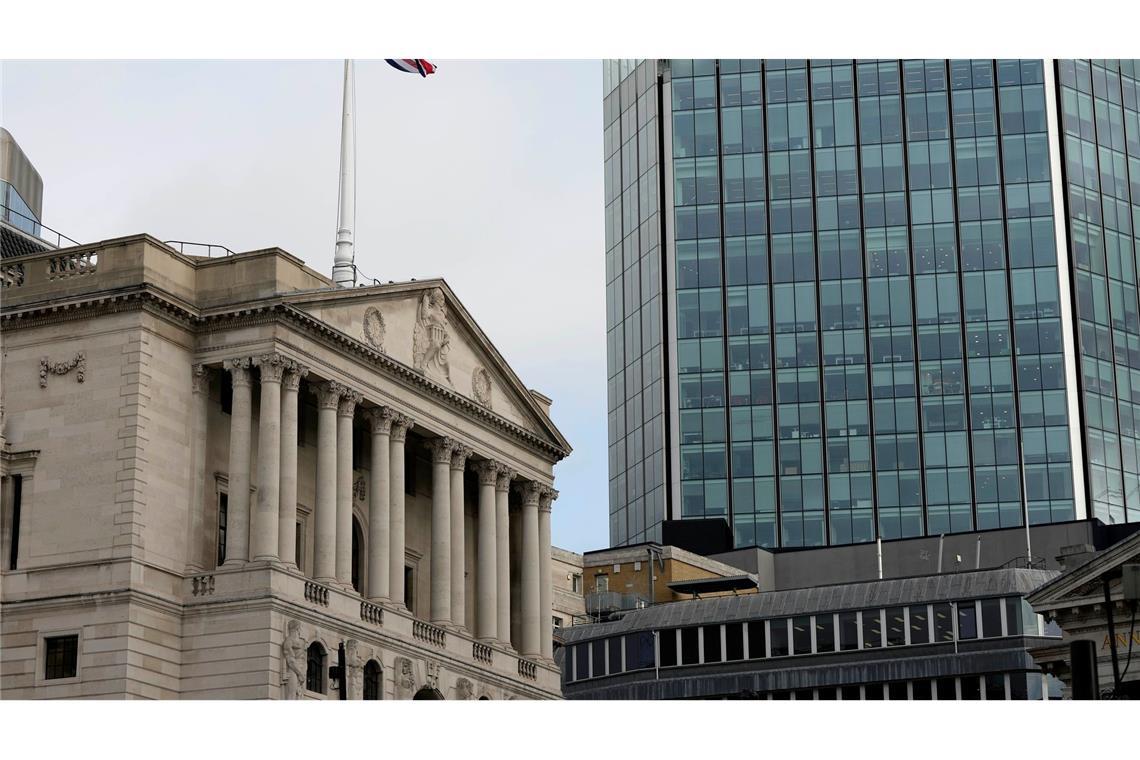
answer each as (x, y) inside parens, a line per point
(488, 174)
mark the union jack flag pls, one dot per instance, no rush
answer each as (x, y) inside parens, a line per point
(420, 66)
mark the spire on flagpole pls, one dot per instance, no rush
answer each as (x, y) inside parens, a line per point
(346, 215)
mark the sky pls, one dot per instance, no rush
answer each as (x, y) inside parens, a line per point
(488, 173)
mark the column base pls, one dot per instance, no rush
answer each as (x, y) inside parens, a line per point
(381, 601)
(268, 558)
(233, 564)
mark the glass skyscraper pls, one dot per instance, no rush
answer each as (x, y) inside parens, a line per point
(871, 298)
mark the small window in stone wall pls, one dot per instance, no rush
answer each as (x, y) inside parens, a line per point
(315, 669)
(372, 680)
(61, 656)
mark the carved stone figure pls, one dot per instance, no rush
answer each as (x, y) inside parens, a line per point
(374, 328)
(294, 662)
(464, 689)
(432, 680)
(359, 488)
(430, 341)
(481, 386)
(405, 678)
(353, 665)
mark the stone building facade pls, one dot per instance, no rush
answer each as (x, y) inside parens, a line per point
(218, 471)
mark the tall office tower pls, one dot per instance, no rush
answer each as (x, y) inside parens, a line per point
(874, 298)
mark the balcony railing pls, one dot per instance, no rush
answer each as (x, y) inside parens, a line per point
(33, 227)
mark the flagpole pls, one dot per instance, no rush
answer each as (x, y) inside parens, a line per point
(343, 269)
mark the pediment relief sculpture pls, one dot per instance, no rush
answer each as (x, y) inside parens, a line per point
(430, 339)
(374, 328)
(481, 387)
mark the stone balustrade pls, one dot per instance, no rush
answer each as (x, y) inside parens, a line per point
(371, 613)
(528, 669)
(72, 264)
(316, 593)
(431, 634)
(481, 652)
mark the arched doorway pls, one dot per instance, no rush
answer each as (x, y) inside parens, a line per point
(428, 693)
(372, 680)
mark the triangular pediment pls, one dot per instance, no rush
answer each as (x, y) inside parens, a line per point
(424, 326)
(1085, 580)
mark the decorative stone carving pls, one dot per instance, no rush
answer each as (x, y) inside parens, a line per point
(506, 475)
(348, 401)
(374, 328)
(401, 423)
(359, 488)
(272, 367)
(481, 386)
(441, 449)
(293, 377)
(430, 340)
(405, 678)
(380, 418)
(239, 370)
(432, 677)
(353, 665)
(201, 378)
(293, 662)
(488, 472)
(459, 456)
(329, 394)
(464, 689)
(546, 497)
(530, 492)
(77, 363)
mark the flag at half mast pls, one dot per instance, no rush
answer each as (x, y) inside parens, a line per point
(420, 66)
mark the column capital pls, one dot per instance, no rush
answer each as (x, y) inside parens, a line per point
(506, 475)
(488, 471)
(272, 366)
(348, 401)
(239, 370)
(400, 425)
(546, 497)
(328, 394)
(441, 449)
(293, 376)
(200, 376)
(530, 492)
(459, 456)
(380, 419)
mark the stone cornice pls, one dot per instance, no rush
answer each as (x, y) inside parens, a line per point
(167, 306)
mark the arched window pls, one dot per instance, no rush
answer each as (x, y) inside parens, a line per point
(372, 680)
(357, 544)
(315, 670)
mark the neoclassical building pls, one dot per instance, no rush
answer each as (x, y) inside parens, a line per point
(221, 473)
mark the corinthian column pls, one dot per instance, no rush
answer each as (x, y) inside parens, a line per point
(195, 561)
(348, 401)
(545, 575)
(324, 553)
(531, 646)
(458, 558)
(241, 434)
(397, 537)
(503, 553)
(486, 574)
(379, 498)
(441, 450)
(287, 530)
(264, 522)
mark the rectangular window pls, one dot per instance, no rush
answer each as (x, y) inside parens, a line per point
(712, 643)
(581, 661)
(971, 687)
(872, 629)
(615, 654)
(848, 631)
(991, 618)
(756, 641)
(920, 690)
(967, 621)
(598, 652)
(873, 691)
(943, 623)
(995, 686)
(897, 692)
(947, 692)
(639, 651)
(690, 649)
(896, 626)
(779, 636)
(733, 641)
(61, 656)
(556, 622)
(919, 625)
(824, 633)
(851, 693)
(409, 587)
(668, 642)
(801, 635)
(1013, 615)
(223, 510)
(299, 545)
(826, 693)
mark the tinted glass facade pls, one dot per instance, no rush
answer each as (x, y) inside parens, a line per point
(842, 314)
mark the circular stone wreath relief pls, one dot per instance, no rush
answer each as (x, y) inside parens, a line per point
(481, 386)
(374, 328)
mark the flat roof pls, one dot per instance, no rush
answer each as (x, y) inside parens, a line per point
(713, 585)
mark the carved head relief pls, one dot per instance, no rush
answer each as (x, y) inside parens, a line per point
(374, 328)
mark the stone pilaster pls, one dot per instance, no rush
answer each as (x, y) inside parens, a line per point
(486, 572)
(531, 640)
(196, 546)
(396, 535)
(379, 500)
(458, 544)
(503, 552)
(287, 521)
(345, 411)
(241, 435)
(545, 576)
(441, 450)
(265, 519)
(324, 553)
